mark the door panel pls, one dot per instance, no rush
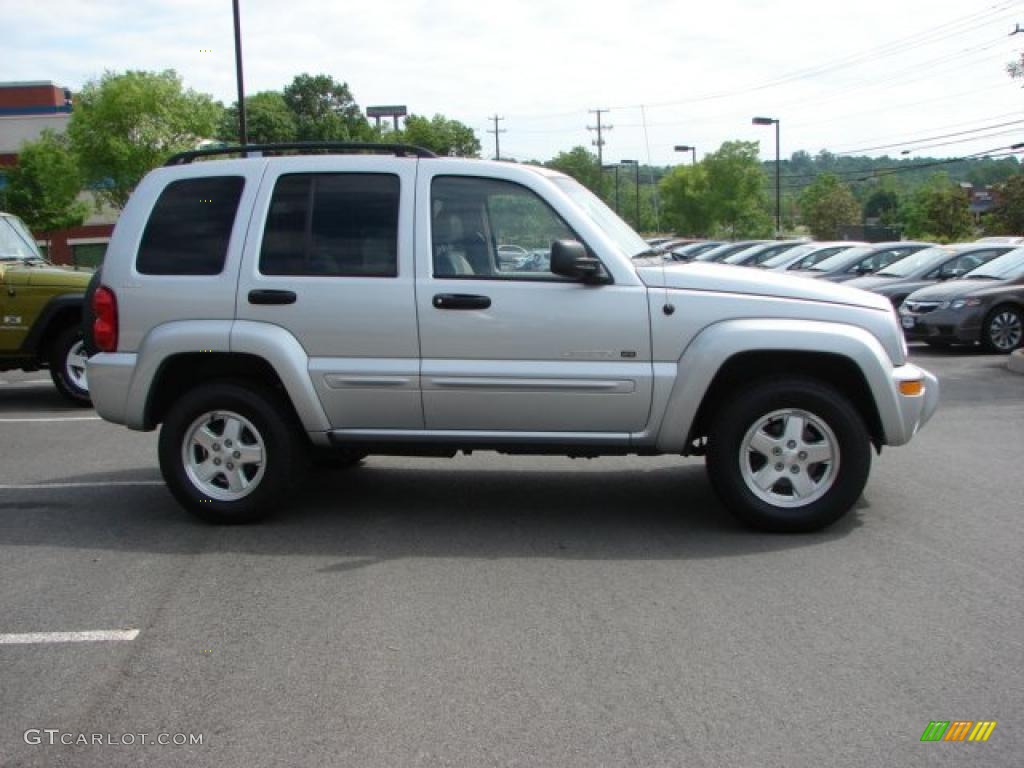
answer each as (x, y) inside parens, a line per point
(338, 235)
(538, 353)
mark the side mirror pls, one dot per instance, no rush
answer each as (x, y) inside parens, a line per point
(569, 258)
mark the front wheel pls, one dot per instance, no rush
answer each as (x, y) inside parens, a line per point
(227, 453)
(67, 366)
(789, 455)
(1003, 331)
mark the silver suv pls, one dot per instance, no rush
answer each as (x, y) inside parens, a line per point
(359, 301)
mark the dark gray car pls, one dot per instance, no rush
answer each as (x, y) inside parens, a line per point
(725, 250)
(986, 305)
(756, 254)
(863, 260)
(927, 267)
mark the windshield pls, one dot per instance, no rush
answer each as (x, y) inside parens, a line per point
(920, 260)
(792, 254)
(619, 231)
(16, 241)
(740, 256)
(841, 258)
(1004, 267)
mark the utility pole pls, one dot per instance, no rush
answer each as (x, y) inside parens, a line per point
(243, 133)
(599, 141)
(496, 131)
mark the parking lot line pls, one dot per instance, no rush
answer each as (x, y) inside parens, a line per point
(89, 636)
(33, 382)
(18, 420)
(99, 484)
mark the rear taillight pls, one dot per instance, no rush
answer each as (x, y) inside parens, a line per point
(104, 326)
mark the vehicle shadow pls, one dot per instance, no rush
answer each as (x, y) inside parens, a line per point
(18, 397)
(373, 514)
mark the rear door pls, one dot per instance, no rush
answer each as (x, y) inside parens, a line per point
(510, 346)
(329, 259)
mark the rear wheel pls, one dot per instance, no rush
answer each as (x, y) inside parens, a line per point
(1003, 331)
(226, 453)
(789, 455)
(67, 366)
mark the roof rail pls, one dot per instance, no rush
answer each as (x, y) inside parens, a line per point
(303, 147)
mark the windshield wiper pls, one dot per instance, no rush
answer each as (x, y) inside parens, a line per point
(981, 277)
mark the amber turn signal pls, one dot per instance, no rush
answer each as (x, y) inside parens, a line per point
(915, 387)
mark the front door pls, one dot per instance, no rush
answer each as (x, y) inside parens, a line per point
(507, 345)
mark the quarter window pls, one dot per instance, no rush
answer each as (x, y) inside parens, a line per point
(190, 227)
(332, 224)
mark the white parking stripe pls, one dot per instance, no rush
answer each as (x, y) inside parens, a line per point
(49, 418)
(100, 484)
(33, 382)
(91, 636)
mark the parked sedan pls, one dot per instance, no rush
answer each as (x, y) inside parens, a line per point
(691, 251)
(807, 255)
(927, 267)
(864, 260)
(726, 250)
(756, 254)
(986, 305)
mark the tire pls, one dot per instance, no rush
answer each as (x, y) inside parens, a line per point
(67, 366)
(768, 416)
(218, 425)
(1003, 330)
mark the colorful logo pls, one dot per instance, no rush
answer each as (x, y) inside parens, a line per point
(958, 730)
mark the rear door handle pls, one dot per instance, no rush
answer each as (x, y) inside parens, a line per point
(269, 296)
(461, 301)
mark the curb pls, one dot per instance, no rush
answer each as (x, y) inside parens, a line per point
(1016, 362)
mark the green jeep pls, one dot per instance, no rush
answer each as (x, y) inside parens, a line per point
(41, 312)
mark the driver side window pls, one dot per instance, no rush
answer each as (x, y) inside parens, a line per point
(492, 229)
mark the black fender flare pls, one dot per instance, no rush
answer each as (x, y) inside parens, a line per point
(41, 327)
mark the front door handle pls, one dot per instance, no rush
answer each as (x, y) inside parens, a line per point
(461, 301)
(268, 296)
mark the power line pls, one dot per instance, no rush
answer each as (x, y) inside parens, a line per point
(905, 142)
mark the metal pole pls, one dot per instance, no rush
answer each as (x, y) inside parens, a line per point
(778, 193)
(694, 151)
(637, 166)
(243, 135)
(616, 189)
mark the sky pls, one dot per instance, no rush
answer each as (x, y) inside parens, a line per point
(846, 77)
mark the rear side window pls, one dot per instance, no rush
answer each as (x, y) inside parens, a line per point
(332, 224)
(190, 227)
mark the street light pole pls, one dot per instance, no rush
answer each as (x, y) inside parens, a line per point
(687, 148)
(616, 169)
(243, 135)
(636, 166)
(778, 186)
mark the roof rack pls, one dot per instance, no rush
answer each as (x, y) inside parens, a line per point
(303, 147)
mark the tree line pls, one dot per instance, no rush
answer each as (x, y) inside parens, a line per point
(125, 124)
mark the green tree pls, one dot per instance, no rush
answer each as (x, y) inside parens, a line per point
(582, 166)
(124, 125)
(736, 190)
(884, 204)
(1008, 218)
(938, 211)
(439, 134)
(43, 187)
(325, 110)
(826, 205)
(686, 201)
(267, 120)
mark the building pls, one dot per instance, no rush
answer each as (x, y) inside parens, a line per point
(26, 110)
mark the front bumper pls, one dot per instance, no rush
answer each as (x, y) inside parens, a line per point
(912, 410)
(948, 325)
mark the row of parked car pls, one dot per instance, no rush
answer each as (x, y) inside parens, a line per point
(964, 293)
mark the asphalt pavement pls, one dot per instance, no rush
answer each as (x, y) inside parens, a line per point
(511, 611)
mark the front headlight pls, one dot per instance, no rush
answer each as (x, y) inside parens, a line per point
(961, 303)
